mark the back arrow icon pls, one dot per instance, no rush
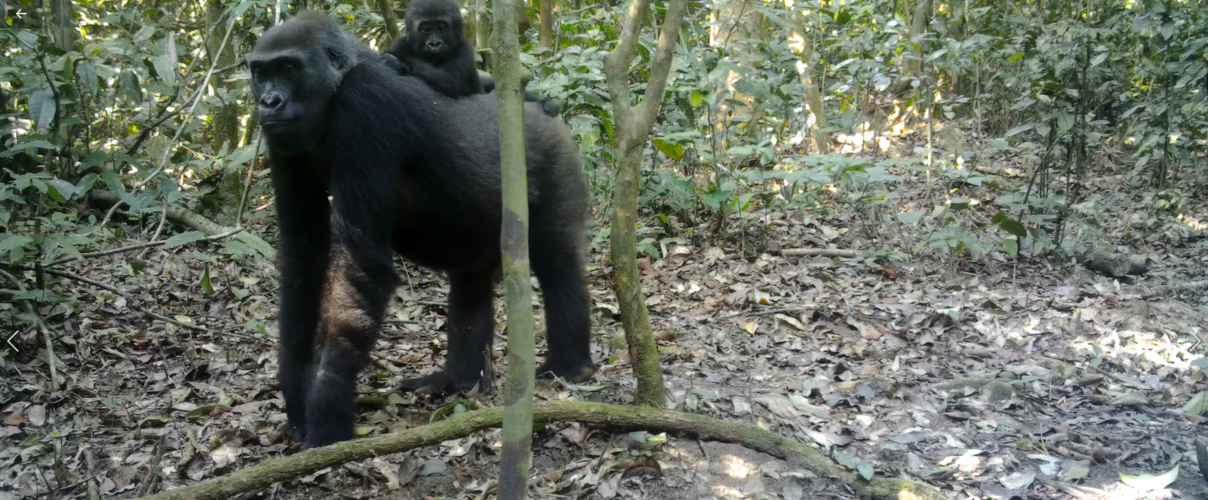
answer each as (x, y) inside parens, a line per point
(10, 341)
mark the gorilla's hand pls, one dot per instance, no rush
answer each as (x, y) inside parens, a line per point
(395, 64)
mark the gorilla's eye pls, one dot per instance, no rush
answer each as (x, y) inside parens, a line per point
(442, 27)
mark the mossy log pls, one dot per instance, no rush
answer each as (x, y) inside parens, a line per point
(628, 417)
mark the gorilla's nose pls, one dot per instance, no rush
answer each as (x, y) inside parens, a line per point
(271, 101)
(435, 45)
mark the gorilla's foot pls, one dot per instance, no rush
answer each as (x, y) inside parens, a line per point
(438, 383)
(572, 372)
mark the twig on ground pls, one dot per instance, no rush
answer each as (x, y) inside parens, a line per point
(382, 363)
(140, 246)
(159, 228)
(821, 252)
(1175, 287)
(276, 470)
(111, 288)
(765, 312)
(194, 220)
(94, 492)
(33, 311)
(149, 481)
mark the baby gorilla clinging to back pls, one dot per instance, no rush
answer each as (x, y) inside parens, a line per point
(434, 50)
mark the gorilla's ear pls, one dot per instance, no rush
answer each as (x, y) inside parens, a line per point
(341, 62)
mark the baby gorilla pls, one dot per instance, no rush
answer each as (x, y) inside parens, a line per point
(435, 51)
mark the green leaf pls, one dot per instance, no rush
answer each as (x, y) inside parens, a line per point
(1167, 29)
(42, 108)
(744, 201)
(1198, 405)
(183, 239)
(206, 286)
(10, 243)
(1149, 482)
(911, 217)
(93, 159)
(1010, 247)
(695, 98)
(673, 151)
(165, 67)
(113, 181)
(1015, 57)
(28, 38)
(86, 72)
(866, 470)
(845, 459)
(64, 189)
(1021, 128)
(1006, 223)
(38, 144)
(86, 183)
(199, 412)
(716, 199)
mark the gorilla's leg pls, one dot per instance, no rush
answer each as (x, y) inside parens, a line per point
(559, 269)
(302, 212)
(470, 332)
(471, 327)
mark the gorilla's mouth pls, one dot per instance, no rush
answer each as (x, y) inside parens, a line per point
(270, 124)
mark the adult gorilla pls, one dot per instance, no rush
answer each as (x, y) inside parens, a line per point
(410, 170)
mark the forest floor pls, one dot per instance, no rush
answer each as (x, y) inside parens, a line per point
(1000, 379)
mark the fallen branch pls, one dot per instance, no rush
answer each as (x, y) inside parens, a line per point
(193, 220)
(33, 311)
(821, 252)
(116, 290)
(1163, 290)
(140, 246)
(283, 469)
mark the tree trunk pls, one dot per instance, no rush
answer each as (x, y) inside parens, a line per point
(813, 98)
(522, 20)
(482, 33)
(633, 126)
(386, 9)
(224, 125)
(736, 22)
(912, 64)
(546, 38)
(518, 388)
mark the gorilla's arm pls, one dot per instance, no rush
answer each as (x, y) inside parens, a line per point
(362, 278)
(302, 212)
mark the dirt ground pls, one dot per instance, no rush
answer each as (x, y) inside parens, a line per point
(1004, 379)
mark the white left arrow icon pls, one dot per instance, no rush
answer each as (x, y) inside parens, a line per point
(10, 341)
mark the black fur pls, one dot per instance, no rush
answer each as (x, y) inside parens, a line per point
(435, 50)
(411, 171)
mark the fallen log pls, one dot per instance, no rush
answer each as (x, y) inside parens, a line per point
(193, 220)
(276, 470)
